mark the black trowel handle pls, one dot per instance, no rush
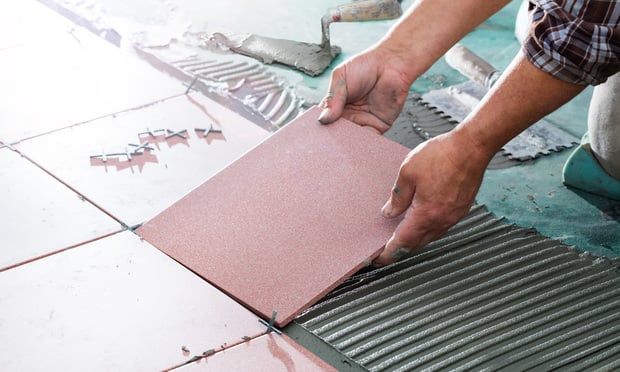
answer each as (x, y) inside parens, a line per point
(365, 10)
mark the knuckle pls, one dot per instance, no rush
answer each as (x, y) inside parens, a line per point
(407, 172)
(434, 214)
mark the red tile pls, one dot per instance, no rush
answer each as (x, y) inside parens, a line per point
(290, 220)
(137, 189)
(270, 352)
(41, 215)
(116, 304)
(67, 76)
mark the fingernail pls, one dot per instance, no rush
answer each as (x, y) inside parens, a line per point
(322, 118)
(400, 253)
(387, 209)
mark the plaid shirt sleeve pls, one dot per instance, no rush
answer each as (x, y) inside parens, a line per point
(577, 41)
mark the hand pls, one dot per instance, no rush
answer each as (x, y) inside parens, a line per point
(435, 188)
(370, 90)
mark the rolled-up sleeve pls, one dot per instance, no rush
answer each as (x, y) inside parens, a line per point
(575, 41)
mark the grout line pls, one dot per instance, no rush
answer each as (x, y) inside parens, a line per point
(13, 266)
(6, 144)
(134, 108)
(211, 352)
(217, 287)
(81, 195)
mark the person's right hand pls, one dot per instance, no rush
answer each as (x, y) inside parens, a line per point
(435, 188)
(369, 89)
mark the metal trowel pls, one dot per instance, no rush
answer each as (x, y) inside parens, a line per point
(459, 100)
(310, 58)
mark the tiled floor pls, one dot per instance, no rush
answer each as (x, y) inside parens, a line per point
(116, 304)
(66, 75)
(78, 288)
(40, 215)
(94, 141)
(266, 353)
(176, 155)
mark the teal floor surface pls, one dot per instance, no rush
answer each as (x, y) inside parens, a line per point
(532, 194)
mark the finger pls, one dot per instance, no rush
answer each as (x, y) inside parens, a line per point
(421, 225)
(365, 119)
(410, 235)
(336, 98)
(402, 194)
(372, 129)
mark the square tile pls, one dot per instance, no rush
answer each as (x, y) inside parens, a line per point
(55, 82)
(116, 304)
(41, 215)
(266, 353)
(288, 221)
(169, 154)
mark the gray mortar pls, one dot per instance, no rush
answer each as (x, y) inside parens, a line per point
(322, 349)
(311, 59)
(488, 294)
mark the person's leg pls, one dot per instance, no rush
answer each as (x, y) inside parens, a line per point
(522, 22)
(604, 125)
(595, 165)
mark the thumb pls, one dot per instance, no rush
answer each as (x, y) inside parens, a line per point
(401, 197)
(336, 98)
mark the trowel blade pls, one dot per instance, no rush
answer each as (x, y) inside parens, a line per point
(312, 59)
(539, 139)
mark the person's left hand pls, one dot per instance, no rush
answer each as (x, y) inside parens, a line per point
(369, 89)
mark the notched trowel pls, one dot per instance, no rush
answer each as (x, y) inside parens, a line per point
(310, 58)
(458, 101)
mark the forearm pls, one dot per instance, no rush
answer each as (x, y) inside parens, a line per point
(430, 27)
(523, 95)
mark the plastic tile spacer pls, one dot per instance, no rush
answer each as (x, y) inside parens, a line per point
(210, 129)
(152, 133)
(270, 325)
(179, 133)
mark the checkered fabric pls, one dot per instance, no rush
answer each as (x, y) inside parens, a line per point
(577, 41)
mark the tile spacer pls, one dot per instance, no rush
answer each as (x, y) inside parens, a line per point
(270, 326)
(191, 84)
(152, 133)
(210, 129)
(139, 149)
(103, 156)
(127, 154)
(172, 133)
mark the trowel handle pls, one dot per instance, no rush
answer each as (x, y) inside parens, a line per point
(366, 10)
(472, 66)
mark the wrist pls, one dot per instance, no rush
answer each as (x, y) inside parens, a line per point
(398, 58)
(476, 148)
